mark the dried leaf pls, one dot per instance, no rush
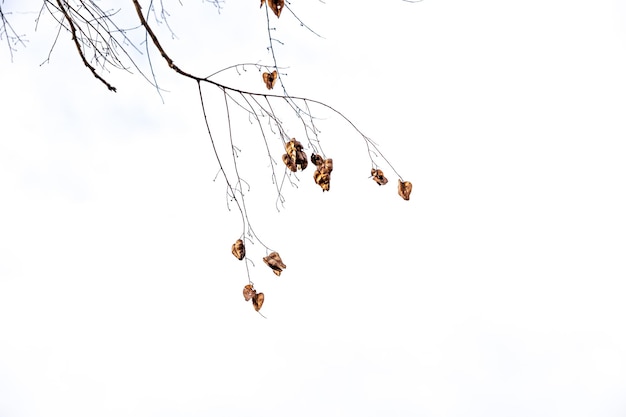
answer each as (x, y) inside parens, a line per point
(248, 292)
(270, 79)
(275, 5)
(239, 250)
(404, 189)
(273, 261)
(379, 177)
(257, 301)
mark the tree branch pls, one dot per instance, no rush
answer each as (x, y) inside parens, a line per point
(70, 22)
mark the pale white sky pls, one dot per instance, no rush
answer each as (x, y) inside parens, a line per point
(498, 290)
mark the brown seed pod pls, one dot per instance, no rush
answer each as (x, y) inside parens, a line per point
(322, 173)
(270, 79)
(316, 159)
(290, 163)
(239, 250)
(273, 261)
(257, 301)
(379, 177)
(328, 166)
(301, 160)
(404, 189)
(275, 5)
(248, 292)
(322, 179)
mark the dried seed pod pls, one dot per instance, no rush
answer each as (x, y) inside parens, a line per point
(290, 163)
(275, 5)
(248, 292)
(328, 166)
(270, 79)
(273, 261)
(301, 160)
(404, 189)
(239, 250)
(322, 179)
(292, 147)
(379, 177)
(257, 301)
(316, 159)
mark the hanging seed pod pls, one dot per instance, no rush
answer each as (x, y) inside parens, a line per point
(275, 5)
(273, 261)
(316, 159)
(290, 163)
(301, 160)
(321, 179)
(404, 189)
(379, 177)
(270, 79)
(257, 301)
(322, 173)
(248, 292)
(239, 250)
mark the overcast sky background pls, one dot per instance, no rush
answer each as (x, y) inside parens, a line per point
(498, 290)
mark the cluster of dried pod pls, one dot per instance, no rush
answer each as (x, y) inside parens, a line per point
(275, 5)
(273, 260)
(295, 158)
(322, 173)
(269, 78)
(404, 187)
(249, 293)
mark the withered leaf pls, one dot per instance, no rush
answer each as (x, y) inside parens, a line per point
(239, 250)
(257, 301)
(379, 177)
(248, 292)
(275, 5)
(273, 261)
(270, 79)
(404, 189)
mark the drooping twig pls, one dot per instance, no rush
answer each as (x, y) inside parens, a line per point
(70, 22)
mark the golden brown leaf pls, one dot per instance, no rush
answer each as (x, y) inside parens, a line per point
(239, 250)
(270, 79)
(275, 5)
(248, 292)
(257, 301)
(404, 189)
(379, 177)
(273, 261)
